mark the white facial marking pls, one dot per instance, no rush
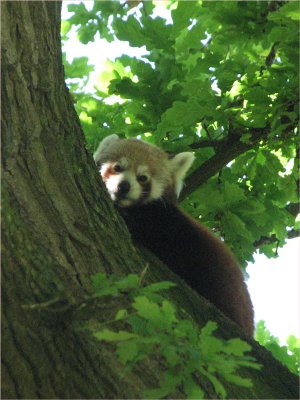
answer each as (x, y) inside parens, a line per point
(112, 182)
(157, 189)
(104, 167)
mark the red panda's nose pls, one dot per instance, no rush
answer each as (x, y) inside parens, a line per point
(123, 188)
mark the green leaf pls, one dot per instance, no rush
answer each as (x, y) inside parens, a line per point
(218, 387)
(139, 325)
(128, 351)
(130, 31)
(171, 355)
(185, 328)
(238, 380)
(233, 193)
(180, 115)
(287, 355)
(79, 67)
(103, 285)
(99, 280)
(121, 314)
(234, 225)
(169, 311)
(148, 7)
(187, 40)
(65, 27)
(257, 96)
(288, 10)
(237, 347)
(79, 8)
(148, 310)
(208, 329)
(182, 15)
(192, 390)
(131, 281)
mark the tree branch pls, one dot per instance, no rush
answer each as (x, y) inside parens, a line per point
(226, 151)
(207, 143)
(294, 209)
(292, 234)
(271, 7)
(272, 55)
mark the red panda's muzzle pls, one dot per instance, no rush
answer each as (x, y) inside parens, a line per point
(122, 189)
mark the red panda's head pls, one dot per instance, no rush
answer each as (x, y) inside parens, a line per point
(136, 172)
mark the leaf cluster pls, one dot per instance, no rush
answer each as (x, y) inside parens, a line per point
(152, 329)
(289, 355)
(220, 79)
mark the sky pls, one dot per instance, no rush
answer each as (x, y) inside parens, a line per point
(274, 288)
(274, 284)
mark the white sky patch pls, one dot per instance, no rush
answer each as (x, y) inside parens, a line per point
(161, 10)
(274, 286)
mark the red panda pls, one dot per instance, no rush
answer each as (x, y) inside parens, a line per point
(144, 182)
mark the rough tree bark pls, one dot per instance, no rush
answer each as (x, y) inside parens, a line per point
(59, 227)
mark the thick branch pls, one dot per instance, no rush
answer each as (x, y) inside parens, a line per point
(212, 166)
(206, 143)
(225, 153)
(226, 150)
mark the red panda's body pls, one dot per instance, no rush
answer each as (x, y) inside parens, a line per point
(144, 189)
(195, 254)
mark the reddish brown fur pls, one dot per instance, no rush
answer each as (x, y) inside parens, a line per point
(107, 173)
(195, 254)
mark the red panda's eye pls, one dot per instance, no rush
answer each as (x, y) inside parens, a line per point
(142, 178)
(118, 168)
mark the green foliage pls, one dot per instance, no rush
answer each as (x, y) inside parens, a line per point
(219, 75)
(150, 328)
(288, 355)
(77, 72)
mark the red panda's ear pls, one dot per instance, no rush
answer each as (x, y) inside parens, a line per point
(104, 145)
(180, 164)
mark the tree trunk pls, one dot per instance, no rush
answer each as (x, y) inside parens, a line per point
(59, 228)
